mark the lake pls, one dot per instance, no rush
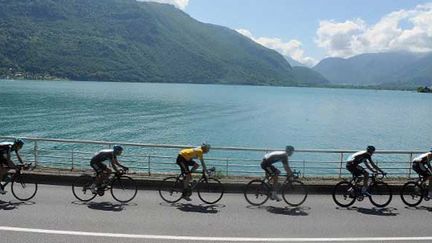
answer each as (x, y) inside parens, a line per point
(223, 115)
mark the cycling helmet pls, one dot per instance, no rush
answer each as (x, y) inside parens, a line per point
(117, 149)
(205, 147)
(370, 149)
(289, 149)
(18, 143)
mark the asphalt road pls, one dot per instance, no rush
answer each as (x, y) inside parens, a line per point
(54, 215)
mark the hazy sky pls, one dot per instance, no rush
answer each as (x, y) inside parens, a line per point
(309, 30)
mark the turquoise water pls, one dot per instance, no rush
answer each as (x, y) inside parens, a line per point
(247, 116)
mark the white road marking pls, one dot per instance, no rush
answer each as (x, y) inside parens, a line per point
(204, 238)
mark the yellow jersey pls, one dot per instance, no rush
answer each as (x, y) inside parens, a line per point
(192, 153)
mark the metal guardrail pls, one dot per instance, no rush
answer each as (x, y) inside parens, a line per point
(231, 161)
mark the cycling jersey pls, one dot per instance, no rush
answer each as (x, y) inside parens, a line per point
(103, 155)
(419, 163)
(6, 148)
(271, 158)
(276, 156)
(423, 158)
(192, 153)
(359, 157)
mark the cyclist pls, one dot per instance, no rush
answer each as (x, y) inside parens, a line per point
(6, 163)
(102, 171)
(421, 165)
(185, 159)
(271, 171)
(353, 166)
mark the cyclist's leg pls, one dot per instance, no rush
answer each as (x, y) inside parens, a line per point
(274, 173)
(98, 168)
(3, 172)
(183, 164)
(361, 171)
(425, 173)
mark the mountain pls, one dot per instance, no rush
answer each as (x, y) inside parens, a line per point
(126, 40)
(309, 76)
(386, 69)
(293, 62)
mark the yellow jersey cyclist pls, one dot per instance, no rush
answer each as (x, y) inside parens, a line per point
(6, 163)
(185, 159)
(421, 165)
(271, 171)
(353, 166)
(102, 171)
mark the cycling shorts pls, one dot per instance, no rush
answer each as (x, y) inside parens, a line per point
(98, 166)
(421, 169)
(356, 170)
(184, 164)
(269, 169)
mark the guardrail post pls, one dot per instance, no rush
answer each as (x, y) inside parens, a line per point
(304, 168)
(35, 152)
(72, 159)
(227, 165)
(340, 165)
(410, 165)
(148, 165)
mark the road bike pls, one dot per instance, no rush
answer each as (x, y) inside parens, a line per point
(23, 186)
(345, 193)
(123, 188)
(210, 190)
(293, 191)
(413, 192)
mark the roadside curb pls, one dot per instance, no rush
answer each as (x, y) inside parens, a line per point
(147, 183)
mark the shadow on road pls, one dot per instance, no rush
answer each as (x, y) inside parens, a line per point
(291, 211)
(105, 206)
(201, 208)
(373, 211)
(429, 209)
(296, 211)
(13, 205)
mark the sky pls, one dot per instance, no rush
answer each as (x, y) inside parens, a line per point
(310, 30)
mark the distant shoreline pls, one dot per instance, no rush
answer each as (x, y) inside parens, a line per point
(328, 86)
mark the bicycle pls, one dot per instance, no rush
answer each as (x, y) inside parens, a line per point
(413, 192)
(293, 191)
(345, 193)
(22, 187)
(210, 190)
(123, 188)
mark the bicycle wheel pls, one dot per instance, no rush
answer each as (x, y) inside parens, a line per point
(412, 194)
(257, 192)
(171, 189)
(210, 190)
(294, 193)
(81, 188)
(381, 194)
(124, 189)
(23, 188)
(341, 194)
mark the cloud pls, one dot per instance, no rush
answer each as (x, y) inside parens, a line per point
(181, 4)
(292, 48)
(403, 30)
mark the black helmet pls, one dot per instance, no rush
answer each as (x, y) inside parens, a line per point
(289, 149)
(18, 143)
(370, 149)
(117, 149)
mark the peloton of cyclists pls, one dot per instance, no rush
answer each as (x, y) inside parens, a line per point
(421, 165)
(102, 171)
(6, 163)
(353, 166)
(185, 159)
(272, 172)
